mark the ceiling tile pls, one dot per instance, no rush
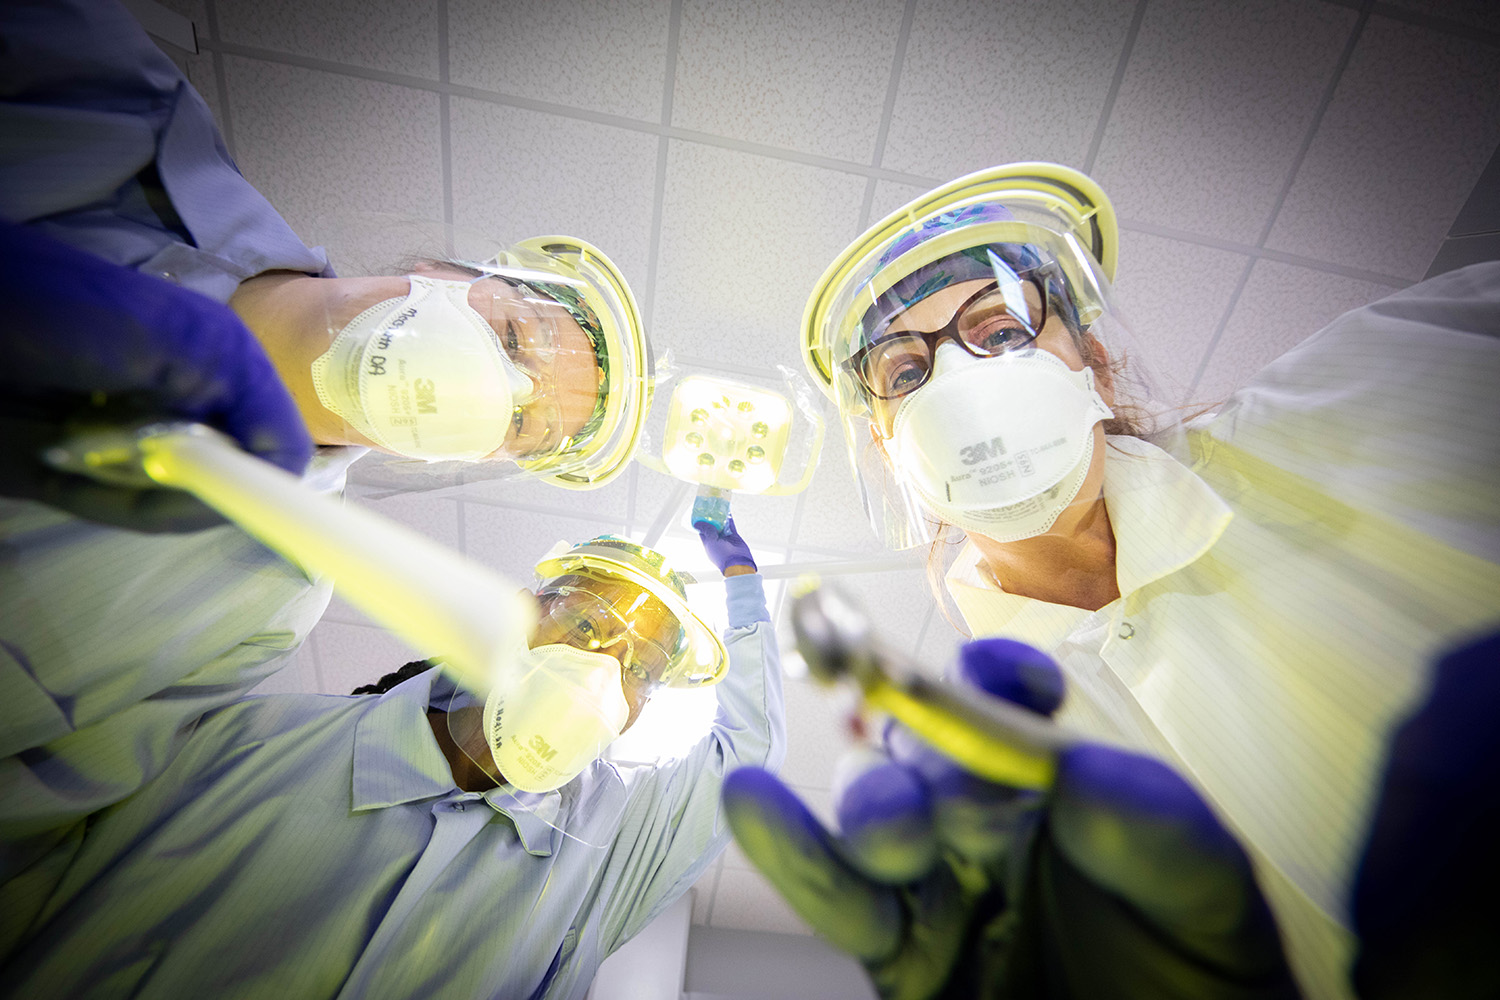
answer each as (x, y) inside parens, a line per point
(833, 517)
(511, 541)
(1174, 296)
(360, 34)
(519, 173)
(897, 604)
(890, 196)
(1281, 306)
(608, 56)
(1213, 109)
(703, 893)
(1461, 251)
(937, 653)
(609, 504)
(818, 734)
(745, 901)
(987, 83)
(746, 70)
(325, 149)
(1409, 131)
(743, 239)
(194, 10)
(1479, 13)
(350, 656)
(660, 497)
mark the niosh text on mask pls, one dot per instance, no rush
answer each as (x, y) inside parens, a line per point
(999, 446)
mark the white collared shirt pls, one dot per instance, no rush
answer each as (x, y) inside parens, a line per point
(1282, 600)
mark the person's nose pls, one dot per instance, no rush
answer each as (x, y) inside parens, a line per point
(950, 356)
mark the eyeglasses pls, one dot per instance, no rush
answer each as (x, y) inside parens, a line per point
(1002, 316)
(586, 620)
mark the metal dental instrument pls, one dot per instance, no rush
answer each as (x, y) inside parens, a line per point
(996, 740)
(434, 598)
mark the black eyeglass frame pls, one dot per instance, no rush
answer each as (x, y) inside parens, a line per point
(931, 339)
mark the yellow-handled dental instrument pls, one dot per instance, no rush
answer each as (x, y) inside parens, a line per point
(994, 739)
(436, 600)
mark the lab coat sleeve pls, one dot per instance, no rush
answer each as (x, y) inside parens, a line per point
(1391, 410)
(672, 829)
(105, 146)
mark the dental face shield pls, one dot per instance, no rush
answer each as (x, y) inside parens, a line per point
(970, 341)
(532, 362)
(613, 627)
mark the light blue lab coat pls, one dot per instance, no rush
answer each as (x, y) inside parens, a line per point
(316, 846)
(105, 146)
(112, 643)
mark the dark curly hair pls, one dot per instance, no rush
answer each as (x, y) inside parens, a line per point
(390, 680)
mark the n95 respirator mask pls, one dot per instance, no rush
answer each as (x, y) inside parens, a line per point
(999, 446)
(551, 713)
(423, 376)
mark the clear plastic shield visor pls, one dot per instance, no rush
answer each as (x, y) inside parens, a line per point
(531, 362)
(600, 649)
(977, 372)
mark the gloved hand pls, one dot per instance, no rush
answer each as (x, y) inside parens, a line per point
(1424, 899)
(725, 547)
(1118, 883)
(87, 340)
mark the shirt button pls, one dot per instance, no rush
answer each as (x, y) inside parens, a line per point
(1126, 630)
(459, 806)
(170, 277)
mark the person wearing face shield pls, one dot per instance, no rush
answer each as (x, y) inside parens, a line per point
(529, 360)
(423, 840)
(1248, 595)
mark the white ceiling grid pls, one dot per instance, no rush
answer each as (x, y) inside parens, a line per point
(1274, 163)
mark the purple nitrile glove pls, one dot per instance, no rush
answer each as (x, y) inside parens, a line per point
(90, 341)
(1119, 882)
(724, 545)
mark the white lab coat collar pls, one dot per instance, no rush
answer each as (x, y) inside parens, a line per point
(1163, 516)
(397, 760)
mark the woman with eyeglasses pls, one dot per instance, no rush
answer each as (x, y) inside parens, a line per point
(1250, 594)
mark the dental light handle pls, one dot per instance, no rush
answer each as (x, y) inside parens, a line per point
(430, 596)
(711, 505)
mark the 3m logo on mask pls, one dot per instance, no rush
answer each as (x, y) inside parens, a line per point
(426, 395)
(982, 452)
(541, 748)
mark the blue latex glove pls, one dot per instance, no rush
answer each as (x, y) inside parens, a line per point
(89, 341)
(1118, 883)
(724, 545)
(1424, 899)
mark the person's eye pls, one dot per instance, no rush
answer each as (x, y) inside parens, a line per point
(584, 634)
(518, 422)
(1004, 339)
(903, 377)
(512, 338)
